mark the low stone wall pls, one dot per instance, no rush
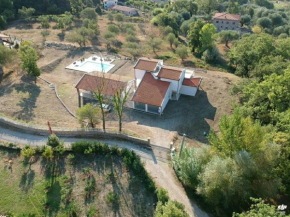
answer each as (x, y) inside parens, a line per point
(75, 133)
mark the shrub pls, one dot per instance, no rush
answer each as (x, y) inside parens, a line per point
(131, 38)
(162, 195)
(211, 55)
(27, 152)
(48, 153)
(113, 28)
(112, 197)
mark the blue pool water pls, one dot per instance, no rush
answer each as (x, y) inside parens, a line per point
(93, 66)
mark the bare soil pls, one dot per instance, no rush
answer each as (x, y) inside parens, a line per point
(37, 104)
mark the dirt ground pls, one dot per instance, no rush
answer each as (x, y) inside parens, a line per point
(37, 104)
(190, 115)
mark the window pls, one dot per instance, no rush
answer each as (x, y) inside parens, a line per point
(226, 27)
(234, 23)
(153, 109)
(222, 21)
(217, 21)
(227, 22)
(139, 106)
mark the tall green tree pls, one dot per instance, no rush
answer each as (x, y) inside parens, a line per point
(81, 36)
(227, 36)
(207, 38)
(194, 35)
(28, 58)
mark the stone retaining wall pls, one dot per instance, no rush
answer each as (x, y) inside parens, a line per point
(76, 133)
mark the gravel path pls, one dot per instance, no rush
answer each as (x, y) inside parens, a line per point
(155, 161)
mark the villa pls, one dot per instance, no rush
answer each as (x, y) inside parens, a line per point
(156, 84)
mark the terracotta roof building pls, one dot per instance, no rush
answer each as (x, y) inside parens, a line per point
(225, 21)
(157, 84)
(151, 91)
(109, 84)
(171, 73)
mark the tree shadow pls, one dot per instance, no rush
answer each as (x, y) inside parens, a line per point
(27, 180)
(61, 36)
(53, 199)
(27, 104)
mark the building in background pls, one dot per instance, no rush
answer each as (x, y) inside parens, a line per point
(109, 3)
(125, 10)
(225, 21)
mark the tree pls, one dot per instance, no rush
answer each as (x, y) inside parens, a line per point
(44, 20)
(238, 133)
(194, 35)
(89, 13)
(181, 51)
(88, 113)
(28, 58)
(207, 5)
(134, 49)
(110, 17)
(80, 36)
(6, 55)
(260, 208)
(185, 27)
(162, 195)
(3, 22)
(44, 34)
(48, 153)
(56, 145)
(170, 38)
(171, 208)
(244, 57)
(119, 17)
(26, 12)
(113, 28)
(264, 22)
(229, 35)
(220, 189)
(207, 33)
(211, 55)
(245, 20)
(119, 100)
(256, 29)
(99, 95)
(155, 44)
(27, 152)
(76, 6)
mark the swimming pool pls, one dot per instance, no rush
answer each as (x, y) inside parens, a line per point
(92, 64)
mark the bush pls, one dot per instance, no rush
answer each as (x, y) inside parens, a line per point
(113, 28)
(162, 195)
(282, 36)
(131, 38)
(211, 55)
(48, 153)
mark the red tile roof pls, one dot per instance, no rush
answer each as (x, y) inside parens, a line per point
(193, 82)
(91, 83)
(171, 73)
(226, 16)
(151, 91)
(146, 64)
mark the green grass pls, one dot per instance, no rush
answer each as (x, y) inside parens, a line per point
(61, 188)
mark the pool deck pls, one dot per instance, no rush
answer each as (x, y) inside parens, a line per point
(77, 65)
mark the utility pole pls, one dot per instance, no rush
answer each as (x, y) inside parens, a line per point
(182, 144)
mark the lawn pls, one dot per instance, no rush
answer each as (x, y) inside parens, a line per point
(88, 185)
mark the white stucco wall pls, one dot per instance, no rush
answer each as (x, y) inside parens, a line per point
(166, 98)
(174, 84)
(139, 74)
(187, 90)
